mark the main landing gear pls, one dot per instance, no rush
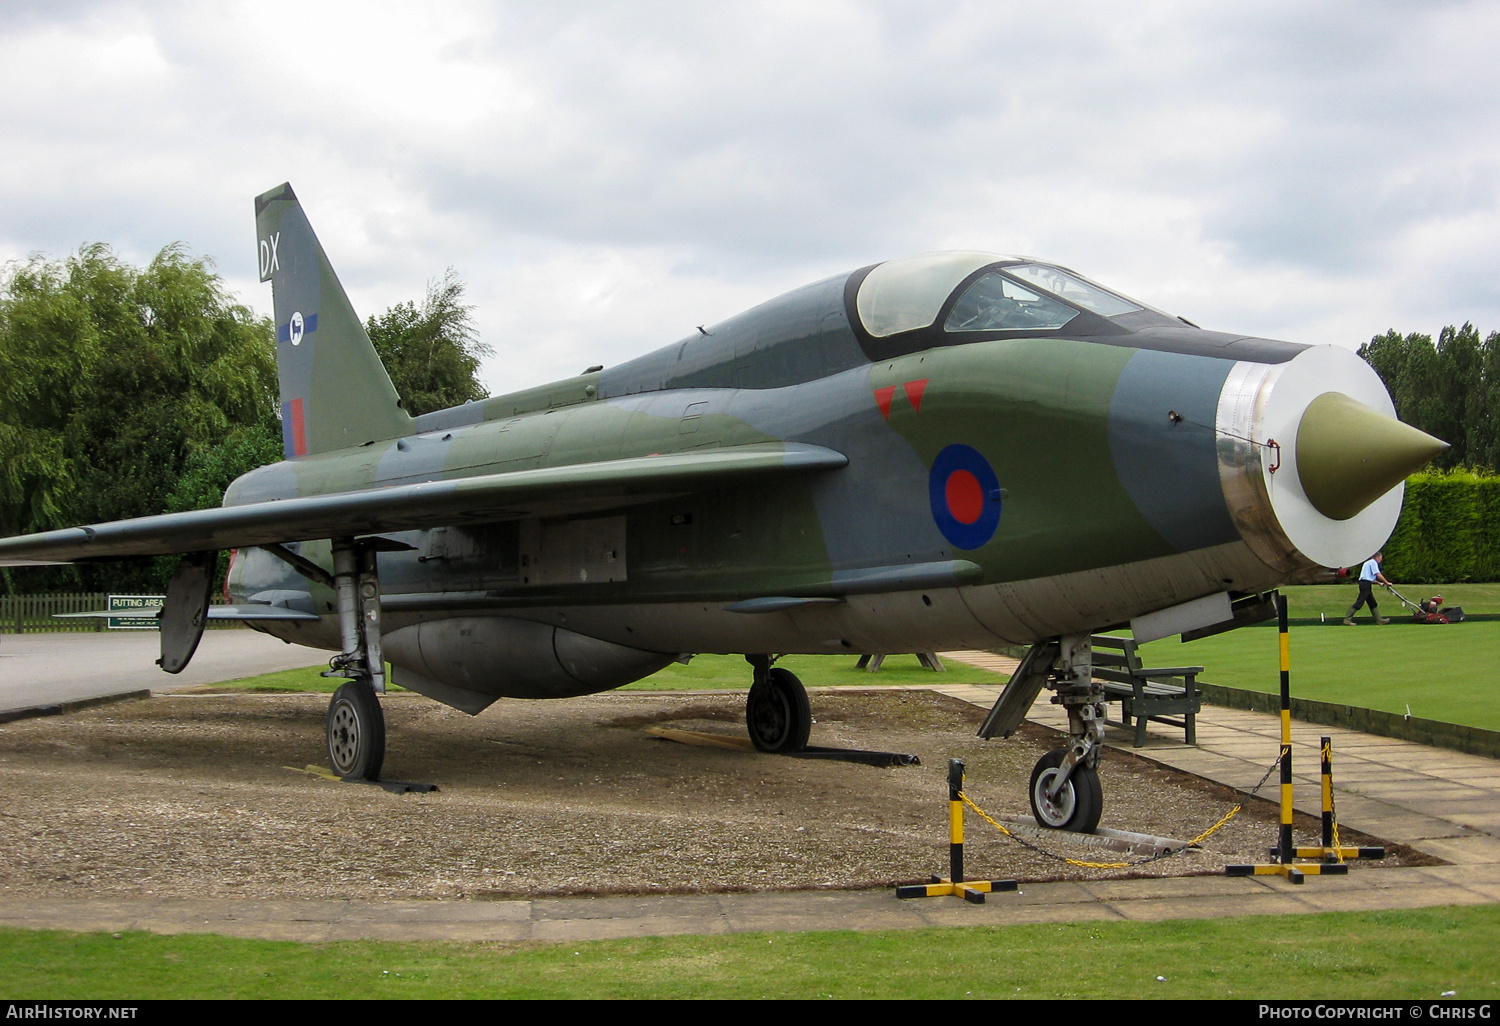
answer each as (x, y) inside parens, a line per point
(777, 712)
(356, 725)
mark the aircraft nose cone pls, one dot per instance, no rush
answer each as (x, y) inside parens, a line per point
(1349, 455)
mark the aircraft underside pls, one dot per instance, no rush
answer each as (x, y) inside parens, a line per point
(468, 656)
(490, 648)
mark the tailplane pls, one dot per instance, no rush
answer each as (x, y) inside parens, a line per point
(334, 390)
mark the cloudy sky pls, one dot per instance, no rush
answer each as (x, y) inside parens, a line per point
(605, 176)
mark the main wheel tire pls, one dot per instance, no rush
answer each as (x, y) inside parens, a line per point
(778, 714)
(1078, 804)
(356, 732)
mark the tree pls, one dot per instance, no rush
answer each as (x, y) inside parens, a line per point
(432, 353)
(1446, 390)
(117, 380)
(1484, 413)
(132, 391)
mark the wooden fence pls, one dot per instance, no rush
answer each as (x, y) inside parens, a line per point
(32, 614)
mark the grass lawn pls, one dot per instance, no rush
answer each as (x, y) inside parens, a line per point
(1449, 672)
(731, 671)
(1330, 599)
(1415, 954)
(705, 671)
(304, 678)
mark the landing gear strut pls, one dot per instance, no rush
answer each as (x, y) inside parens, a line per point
(356, 726)
(1065, 793)
(777, 712)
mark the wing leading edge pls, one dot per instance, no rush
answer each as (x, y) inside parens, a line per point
(547, 491)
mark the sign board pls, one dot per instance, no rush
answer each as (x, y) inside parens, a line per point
(135, 612)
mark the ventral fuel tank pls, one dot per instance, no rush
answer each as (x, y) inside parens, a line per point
(469, 662)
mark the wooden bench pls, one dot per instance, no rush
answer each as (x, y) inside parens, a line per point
(1166, 694)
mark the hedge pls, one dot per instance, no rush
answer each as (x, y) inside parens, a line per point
(1449, 529)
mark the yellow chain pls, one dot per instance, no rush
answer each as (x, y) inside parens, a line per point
(1211, 830)
(1126, 865)
(1072, 862)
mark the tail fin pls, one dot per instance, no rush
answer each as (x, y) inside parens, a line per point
(334, 390)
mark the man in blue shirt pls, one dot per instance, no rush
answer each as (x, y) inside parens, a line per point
(1369, 575)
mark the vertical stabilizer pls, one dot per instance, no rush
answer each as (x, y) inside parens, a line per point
(334, 390)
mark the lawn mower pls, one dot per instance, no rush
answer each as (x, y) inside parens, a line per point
(1429, 610)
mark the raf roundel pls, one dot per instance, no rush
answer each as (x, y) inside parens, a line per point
(965, 496)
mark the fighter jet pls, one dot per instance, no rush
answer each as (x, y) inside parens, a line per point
(953, 450)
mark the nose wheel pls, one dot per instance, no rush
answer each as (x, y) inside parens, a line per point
(356, 732)
(777, 712)
(1076, 805)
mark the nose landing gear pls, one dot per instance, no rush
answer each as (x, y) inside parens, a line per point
(1065, 792)
(1071, 803)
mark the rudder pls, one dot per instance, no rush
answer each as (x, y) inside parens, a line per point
(335, 392)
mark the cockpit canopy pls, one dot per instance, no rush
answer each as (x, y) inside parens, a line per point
(994, 293)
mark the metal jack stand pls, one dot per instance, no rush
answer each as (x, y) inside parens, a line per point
(1285, 853)
(972, 891)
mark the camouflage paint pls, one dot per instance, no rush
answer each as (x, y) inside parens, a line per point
(972, 488)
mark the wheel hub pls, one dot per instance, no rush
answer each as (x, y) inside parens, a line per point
(345, 738)
(1056, 811)
(770, 718)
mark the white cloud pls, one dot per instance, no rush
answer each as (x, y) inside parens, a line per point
(605, 176)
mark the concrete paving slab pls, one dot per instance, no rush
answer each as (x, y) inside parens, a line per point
(1470, 850)
(1060, 893)
(1208, 906)
(456, 931)
(542, 910)
(1475, 875)
(644, 926)
(782, 903)
(1472, 812)
(1173, 887)
(1395, 898)
(452, 912)
(890, 919)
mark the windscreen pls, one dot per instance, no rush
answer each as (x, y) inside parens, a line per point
(995, 303)
(1075, 290)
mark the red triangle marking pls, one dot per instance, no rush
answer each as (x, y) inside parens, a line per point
(883, 397)
(914, 390)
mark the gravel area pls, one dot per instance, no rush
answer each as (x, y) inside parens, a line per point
(204, 795)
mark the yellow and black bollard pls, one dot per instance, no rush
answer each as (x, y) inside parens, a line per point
(1285, 853)
(954, 883)
(1332, 851)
